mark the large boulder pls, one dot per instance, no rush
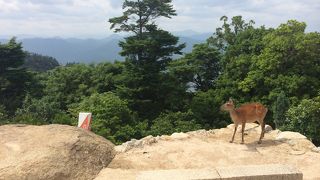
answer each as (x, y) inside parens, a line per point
(52, 152)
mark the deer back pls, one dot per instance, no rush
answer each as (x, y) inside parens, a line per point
(251, 112)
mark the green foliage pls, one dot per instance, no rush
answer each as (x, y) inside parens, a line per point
(64, 118)
(304, 118)
(140, 14)
(168, 123)
(226, 36)
(3, 115)
(42, 110)
(289, 61)
(11, 55)
(206, 109)
(152, 93)
(204, 66)
(13, 79)
(39, 63)
(240, 44)
(68, 85)
(148, 52)
(112, 118)
(26, 119)
(259, 63)
(107, 76)
(280, 108)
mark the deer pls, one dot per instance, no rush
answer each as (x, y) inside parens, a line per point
(246, 113)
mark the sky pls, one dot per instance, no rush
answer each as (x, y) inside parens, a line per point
(89, 18)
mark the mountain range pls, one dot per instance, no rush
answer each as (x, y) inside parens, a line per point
(92, 50)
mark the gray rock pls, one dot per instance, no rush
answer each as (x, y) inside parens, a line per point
(149, 140)
(316, 149)
(268, 128)
(288, 135)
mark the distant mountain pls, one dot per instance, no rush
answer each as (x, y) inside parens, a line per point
(93, 50)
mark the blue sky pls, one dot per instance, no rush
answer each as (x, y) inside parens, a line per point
(88, 18)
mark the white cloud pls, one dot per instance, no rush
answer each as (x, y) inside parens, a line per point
(88, 18)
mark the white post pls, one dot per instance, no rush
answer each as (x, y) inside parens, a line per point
(85, 120)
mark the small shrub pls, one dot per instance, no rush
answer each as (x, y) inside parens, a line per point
(280, 108)
(112, 118)
(168, 123)
(305, 118)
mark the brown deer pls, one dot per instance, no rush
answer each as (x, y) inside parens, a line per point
(247, 113)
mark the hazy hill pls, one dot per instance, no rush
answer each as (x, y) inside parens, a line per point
(92, 50)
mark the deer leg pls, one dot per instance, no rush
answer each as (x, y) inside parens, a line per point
(262, 124)
(242, 131)
(234, 132)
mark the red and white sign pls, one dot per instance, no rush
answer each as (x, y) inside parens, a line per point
(85, 120)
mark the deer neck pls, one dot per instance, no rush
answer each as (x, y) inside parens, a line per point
(233, 113)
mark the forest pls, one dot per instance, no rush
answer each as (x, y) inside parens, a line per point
(159, 90)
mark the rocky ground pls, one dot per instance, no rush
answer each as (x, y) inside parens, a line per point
(65, 152)
(208, 149)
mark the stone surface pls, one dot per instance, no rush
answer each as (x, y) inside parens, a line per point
(179, 136)
(201, 150)
(149, 140)
(252, 172)
(117, 174)
(179, 174)
(316, 149)
(201, 132)
(129, 145)
(51, 152)
(287, 135)
(136, 143)
(260, 172)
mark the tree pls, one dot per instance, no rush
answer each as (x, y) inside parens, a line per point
(39, 63)
(280, 108)
(42, 111)
(290, 60)
(206, 109)
(108, 76)
(240, 43)
(259, 63)
(112, 118)
(140, 15)
(68, 85)
(168, 123)
(3, 115)
(304, 118)
(226, 36)
(147, 52)
(204, 62)
(13, 79)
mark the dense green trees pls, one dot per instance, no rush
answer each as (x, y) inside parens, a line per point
(14, 80)
(289, 62)
(112, 117)
(39, 63)
(168, 123)
(70, 84)
(148, 51)
(152, 93)
(304, 118)
(280, 107)
(203, 66)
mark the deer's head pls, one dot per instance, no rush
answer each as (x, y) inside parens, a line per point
(229, 105)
